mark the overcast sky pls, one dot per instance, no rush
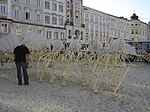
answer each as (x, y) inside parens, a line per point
(124, 8)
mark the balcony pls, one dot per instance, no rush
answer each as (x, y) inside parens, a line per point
(69, 23)
(83, 25)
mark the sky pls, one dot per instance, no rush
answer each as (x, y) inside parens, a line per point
(124, 8)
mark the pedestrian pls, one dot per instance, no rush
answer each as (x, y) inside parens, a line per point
(21, 58)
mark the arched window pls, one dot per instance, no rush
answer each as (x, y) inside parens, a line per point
(47, 18)
(54, 19)
(27, 14)
(38, 15)
(77, 33)
(54, 6)
(16, 12)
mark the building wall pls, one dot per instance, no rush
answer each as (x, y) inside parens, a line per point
(54, 16)
(3, 14)
(29, 17)
(74, 20)
(66, 20)
(104, 27)
(148, 35)
(138, 30)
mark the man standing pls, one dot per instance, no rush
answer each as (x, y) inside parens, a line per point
(21, 57)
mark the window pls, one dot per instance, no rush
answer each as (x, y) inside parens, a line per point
(27, 2)
(136, 31)
(86, 38)
(60, 8)
(54, 6)
(38, 17)
(96, 27)
(3, 9)
(77, 6)
(47, 19)
(29, 30)
(68, 18)
(62, 36)
(132, 31)
(68, 5)
(40, 31)
(60, 21)
(47, 6)
(87, 26)
(16, 14)
(18, 30)
(87, 15)
(92, 37)
(92, 17)
(96, 17)
(55, 35)
(16, 0)
(38, 2)
(54, 20)
(48, 35)
(4, 27)
(92, 26)
(69, 32)
(81, 35)
(27, 16)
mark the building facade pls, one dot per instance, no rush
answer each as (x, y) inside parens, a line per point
(40, 17)
(74, 20)
(148, 37)
(3, 14)
(68, 20)
(138, 30)
(104, 27)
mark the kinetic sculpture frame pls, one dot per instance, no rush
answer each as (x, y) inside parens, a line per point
(94, 69)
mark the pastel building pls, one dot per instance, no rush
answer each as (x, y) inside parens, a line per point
(40, 17)
(68, 20)
(103, 27)
(139, 30)
(148, 38)
(74, 20)
(54, 19)
(3, 14)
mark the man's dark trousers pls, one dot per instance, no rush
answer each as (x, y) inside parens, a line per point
(25, 74)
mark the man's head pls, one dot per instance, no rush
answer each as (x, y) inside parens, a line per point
(23, 45)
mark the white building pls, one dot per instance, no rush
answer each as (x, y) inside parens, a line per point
(54, 18)
(148, 35)
(3, 14)
(103, 27)
(138, 29)
(40, 17)
(68, 20)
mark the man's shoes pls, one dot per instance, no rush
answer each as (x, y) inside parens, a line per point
(20, 84)
(26, 83)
